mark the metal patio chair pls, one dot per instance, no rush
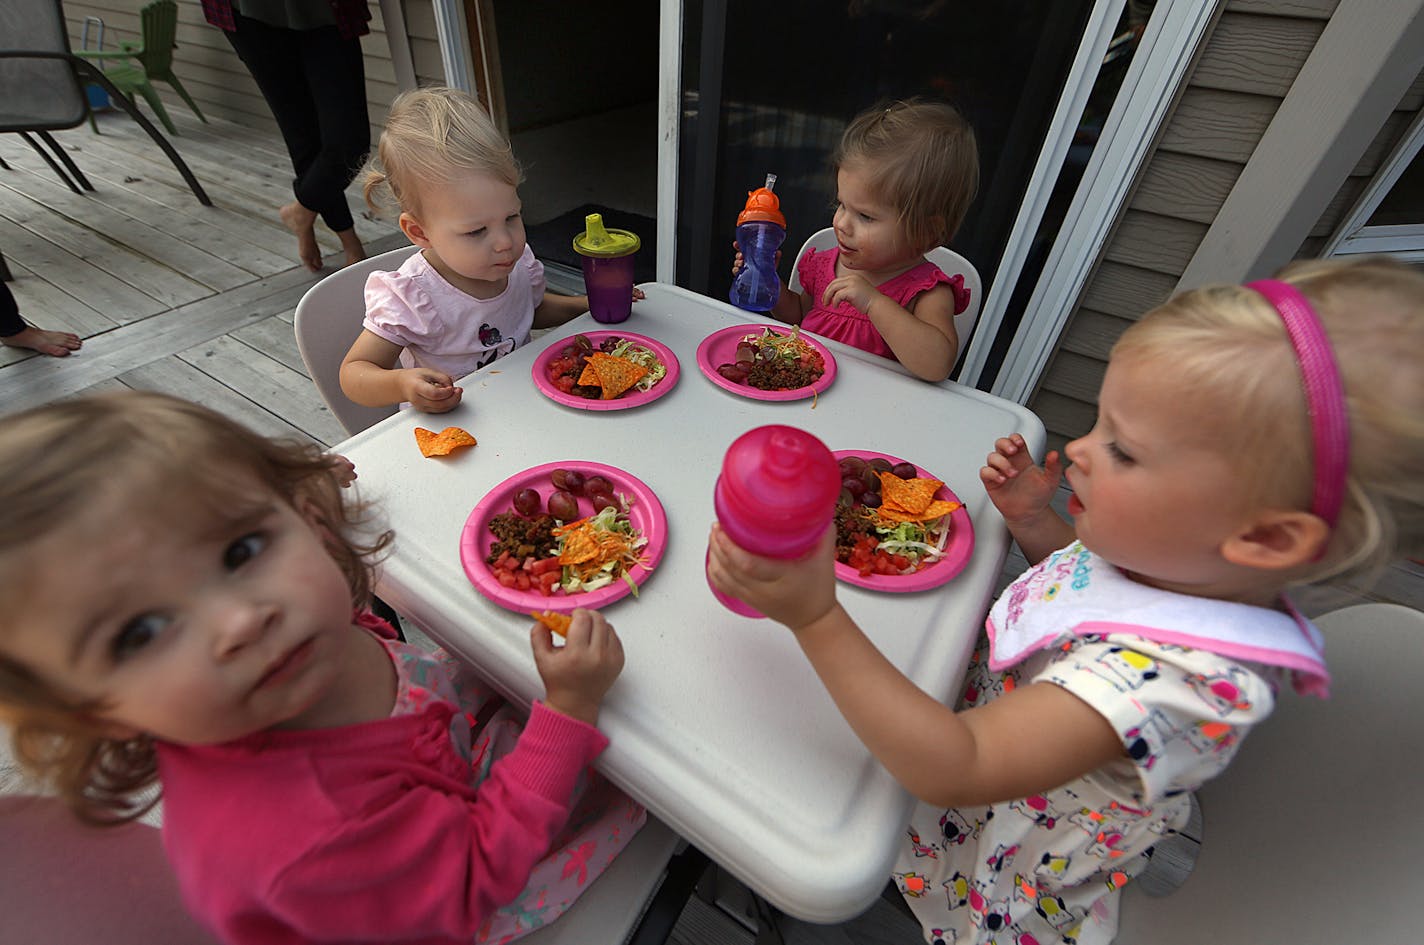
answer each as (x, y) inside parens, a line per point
(42, 88)
(138, 65)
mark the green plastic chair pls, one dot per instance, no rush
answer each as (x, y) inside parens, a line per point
(153, 59)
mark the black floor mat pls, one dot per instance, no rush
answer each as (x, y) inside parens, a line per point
(553, 240)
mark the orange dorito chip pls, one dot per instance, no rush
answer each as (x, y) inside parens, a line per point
(443, 443)
(558, 623)
(589, 377)
(931, 512)
(579, 546)
(907, 495)
(615, 375)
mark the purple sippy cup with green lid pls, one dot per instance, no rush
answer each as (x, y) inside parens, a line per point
(776, 495)
(607, 257)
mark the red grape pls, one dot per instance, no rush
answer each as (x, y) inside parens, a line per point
(557, 477)
(574, 481)
(563, 506)
(733, 372)
(905, 470)
(597, 485)
(879, 464)
(602, 500)
(870, 500)
(527, 502)
(854, 485)
(852, 466)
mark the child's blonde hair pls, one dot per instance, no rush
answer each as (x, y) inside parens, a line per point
(926, 163)
(1230, 346)
(432, 136)
(162, 456)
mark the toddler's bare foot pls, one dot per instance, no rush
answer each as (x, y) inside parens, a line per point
(56, 344)
(351, 244)
(302, 222)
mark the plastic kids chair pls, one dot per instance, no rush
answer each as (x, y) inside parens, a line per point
(1308, 835)
(327, 321)
(949, 262)
(151, 60)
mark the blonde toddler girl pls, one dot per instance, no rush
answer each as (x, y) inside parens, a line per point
(186, 607)
(1248, 439)
(475, 289)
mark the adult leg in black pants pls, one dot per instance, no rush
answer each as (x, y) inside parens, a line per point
(15, 333)
(315, 83)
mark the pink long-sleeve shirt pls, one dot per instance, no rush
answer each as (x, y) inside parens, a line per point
(368, 833)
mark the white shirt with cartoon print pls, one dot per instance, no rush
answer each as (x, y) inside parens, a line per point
(445, 329)
(1046, 869)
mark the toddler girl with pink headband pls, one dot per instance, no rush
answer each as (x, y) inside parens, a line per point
(1248, 439)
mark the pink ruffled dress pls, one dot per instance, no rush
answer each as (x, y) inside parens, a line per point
(843, 323)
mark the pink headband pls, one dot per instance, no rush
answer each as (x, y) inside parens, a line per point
(1324, 394)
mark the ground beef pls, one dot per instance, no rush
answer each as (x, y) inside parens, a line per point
(782, 375)
(522, 537)
(851, 526)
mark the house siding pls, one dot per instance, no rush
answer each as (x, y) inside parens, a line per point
(1245, 69)
(217, 79)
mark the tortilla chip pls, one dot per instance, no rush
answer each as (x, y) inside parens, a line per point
(589, 377)
(579, 547)
(443, 443)
(615, 375)
(908, 495)
(557, 623)
(931, 512)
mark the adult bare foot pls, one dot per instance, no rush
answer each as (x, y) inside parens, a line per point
(302, 222)
(351, 244)
(56, 344)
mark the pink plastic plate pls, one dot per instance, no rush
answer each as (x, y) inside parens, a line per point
(720, 347)
(630, 398)
(645, 512)
(956, 550)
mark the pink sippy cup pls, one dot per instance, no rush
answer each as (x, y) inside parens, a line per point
(776, 495)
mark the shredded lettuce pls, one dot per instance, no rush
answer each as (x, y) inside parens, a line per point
(921, 542)
(632, 351)
(612, 519)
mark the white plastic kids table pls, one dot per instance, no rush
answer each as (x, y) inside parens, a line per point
(718, 723)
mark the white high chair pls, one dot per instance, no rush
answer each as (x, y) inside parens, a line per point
(1312, 835)
(328, 319)
(949, 262)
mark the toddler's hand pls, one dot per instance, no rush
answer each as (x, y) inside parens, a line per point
(1019, 489)
(342, 469)
(638, 294)
(578, 674)
(430, 391)
(852, 288)
(738, 261)
(795, 593)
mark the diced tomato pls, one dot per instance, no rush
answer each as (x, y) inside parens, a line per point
(521, 580)
(505, 578)
(564, 383)
(528, 564)
(545, 566)
(549, 580)
(503, 562)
